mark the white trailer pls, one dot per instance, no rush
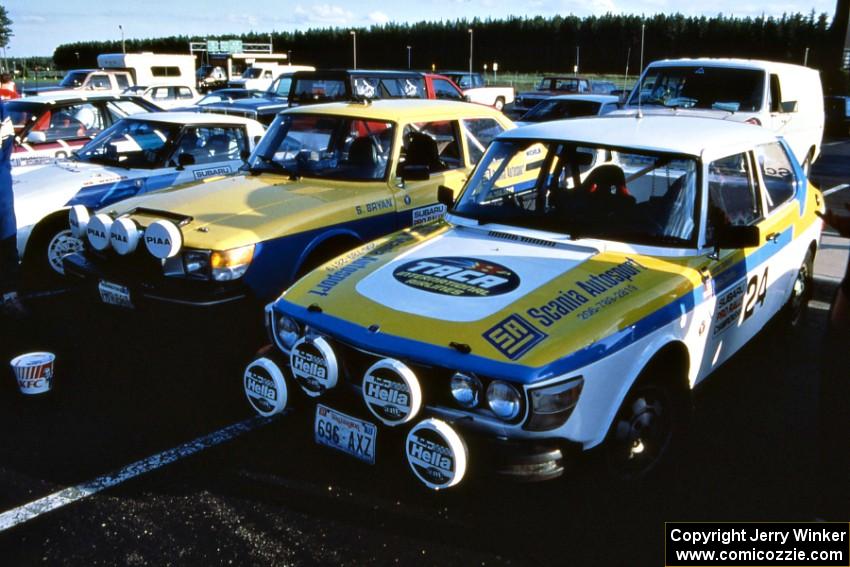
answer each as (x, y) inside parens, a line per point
(152, 69)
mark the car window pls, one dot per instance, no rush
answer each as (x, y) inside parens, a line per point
(100, 82)
(732, 194)
(77, 121)
(718, 88)
(479, 132)
(584, 190)
(211, 144)
(159, 93)
(132, 143)
(267, 74)
(184, 92)
(435, 144)
(333, 147)
(443, 89)
(122, 81)
(777, 174)
(118, 109)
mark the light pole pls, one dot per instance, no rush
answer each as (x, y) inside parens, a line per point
(77, 53)
(123, 46)
(577, 58)
(408, 56)
(470, 53)
(289, 56)
(271, 46)
(354, 45)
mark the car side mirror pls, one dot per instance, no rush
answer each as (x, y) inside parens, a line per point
(36, 137)
(788, 106)
(732, 236)
(414, 172)
(185, 159)
(446, 196)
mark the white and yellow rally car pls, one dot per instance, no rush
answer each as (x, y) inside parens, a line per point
(591, 273)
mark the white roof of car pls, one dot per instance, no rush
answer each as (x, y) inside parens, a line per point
(727, 62)
(191, 118)
(63, 96)
(671, 134)
(600, 98)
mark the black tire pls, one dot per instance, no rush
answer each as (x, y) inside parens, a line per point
(796, 308)
(50, 240)
(328, 250)
(649, 424)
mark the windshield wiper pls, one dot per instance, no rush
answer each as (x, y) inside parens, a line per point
(276, 166)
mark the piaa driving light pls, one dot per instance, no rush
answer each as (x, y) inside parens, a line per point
(552, 405)
(231, 264)
(504, 400)
(466, 389)
(287, 331)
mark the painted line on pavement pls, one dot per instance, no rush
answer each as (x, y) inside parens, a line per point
(72, 494)
(836, 189)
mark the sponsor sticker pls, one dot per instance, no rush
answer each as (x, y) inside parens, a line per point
(436, 454)
(729, 306)
(427, 214)
(265, 387)
(314, 365)
(457, 276)
(392, 392)
(212, 172)
(514, 336)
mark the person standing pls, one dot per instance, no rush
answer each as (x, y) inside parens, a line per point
(10, 303)
(8, 89)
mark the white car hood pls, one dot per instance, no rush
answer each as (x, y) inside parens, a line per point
(522, 267)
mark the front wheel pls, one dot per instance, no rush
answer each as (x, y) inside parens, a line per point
(51, 241)
(797, 305)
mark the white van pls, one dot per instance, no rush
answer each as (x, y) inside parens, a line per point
(152, 69)
(261, 74)
(787, 99)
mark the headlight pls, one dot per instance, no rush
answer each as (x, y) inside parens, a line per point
(552, 405)
(231, 264)
(286, 330)
(504, 400)
(466, 389)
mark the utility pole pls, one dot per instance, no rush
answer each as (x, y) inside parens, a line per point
(408, 56)
(470, 54)
(354, 39)
(123, 46)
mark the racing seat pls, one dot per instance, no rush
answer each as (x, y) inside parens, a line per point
(363, 157)
(422, 150)
(218, 147)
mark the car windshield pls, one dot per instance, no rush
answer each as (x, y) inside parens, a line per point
(252, 73)
(132, 143)
(585, 191)
(229, 95)
(333, 147)
(280, 86)
(717, 88)
(74, 79)
(558, 109)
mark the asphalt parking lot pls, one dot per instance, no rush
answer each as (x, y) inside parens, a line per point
(130, 390)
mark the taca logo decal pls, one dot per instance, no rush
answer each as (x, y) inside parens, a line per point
(462, 277)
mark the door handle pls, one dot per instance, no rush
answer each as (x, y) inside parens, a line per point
(773, 237)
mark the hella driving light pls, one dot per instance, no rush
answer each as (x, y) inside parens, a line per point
(231, 264)
(552, 406)
(504, 400)
(466, 389)
(287, 331)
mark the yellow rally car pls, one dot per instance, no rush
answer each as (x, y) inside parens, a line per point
(590, 274)
(323, 180)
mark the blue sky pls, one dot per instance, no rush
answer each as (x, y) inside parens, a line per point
(40, 25)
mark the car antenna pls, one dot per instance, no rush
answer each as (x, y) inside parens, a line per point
(640, 80)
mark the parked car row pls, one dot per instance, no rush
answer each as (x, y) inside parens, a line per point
(440, 287)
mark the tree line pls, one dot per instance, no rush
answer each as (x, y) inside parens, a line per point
(521, 44)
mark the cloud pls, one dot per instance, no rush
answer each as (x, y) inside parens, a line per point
(31, 19)
(243, 19)
(325, 14)
(379, 17)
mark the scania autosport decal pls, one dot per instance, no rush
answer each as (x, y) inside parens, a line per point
(457, 276)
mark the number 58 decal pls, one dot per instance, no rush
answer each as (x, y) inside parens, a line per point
(756, 293)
